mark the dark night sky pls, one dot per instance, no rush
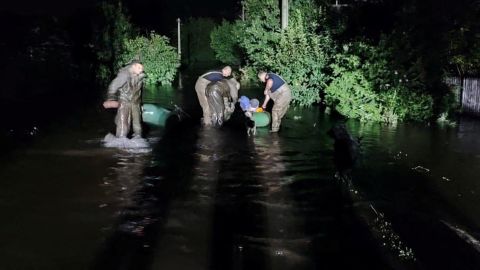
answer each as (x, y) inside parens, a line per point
(157, 15)
(182, 8)
(44, 6)
(161, 14)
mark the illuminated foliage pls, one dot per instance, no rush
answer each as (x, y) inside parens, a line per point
(367, 88)
(224, 41)
(367, 79)
(158, 57)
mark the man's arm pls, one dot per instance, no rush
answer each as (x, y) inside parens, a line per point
(265, 102)
(115, 85)
(268, 86)
(113, 88)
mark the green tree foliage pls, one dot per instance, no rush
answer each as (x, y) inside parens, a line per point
(350, 93)
(299, 54)
(369, 80)
(111, 30)
(224, 41)
(367, 87)
(159, 58)
(464, 51)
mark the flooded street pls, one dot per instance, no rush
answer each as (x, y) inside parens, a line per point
(205, 198)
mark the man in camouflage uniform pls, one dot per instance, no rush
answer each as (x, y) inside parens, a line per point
(221, 98)
(201, 85)
(124, 93)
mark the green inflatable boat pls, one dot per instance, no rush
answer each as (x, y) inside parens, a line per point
(155, 115)
(262, 119)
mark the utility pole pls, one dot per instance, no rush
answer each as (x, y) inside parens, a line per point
(243, 11)
(179, 44)
(337, 5)
(284, 14)
(179, 48)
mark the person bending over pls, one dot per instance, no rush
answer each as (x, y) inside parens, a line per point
(201, 85)
(278, 90)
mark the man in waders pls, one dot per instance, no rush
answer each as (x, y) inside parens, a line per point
(124, 93)
(201, 85)
(278, 90)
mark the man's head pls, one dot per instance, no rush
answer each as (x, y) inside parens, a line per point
(226, 71)
(262, 76)
(136, 68)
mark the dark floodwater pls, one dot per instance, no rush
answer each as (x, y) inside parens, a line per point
(216, 199)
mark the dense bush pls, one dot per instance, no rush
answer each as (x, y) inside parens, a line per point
(111, 29)
(159, 58)
(366, 87)
(367, 80)
(350, 93)
(298, 54)
(248, 74)
(300, 57)
(224, 41)
(398, 83)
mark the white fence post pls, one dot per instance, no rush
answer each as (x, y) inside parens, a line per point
(284, 14)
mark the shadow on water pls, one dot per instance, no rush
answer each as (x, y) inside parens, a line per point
(164, 176)
(167, 174)
(216, 199)
(236, 215)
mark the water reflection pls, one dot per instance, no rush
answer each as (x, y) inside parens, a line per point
(127, 183)
(125, 177)
(467, 136)
(186, 237)
(286, 245)
(422, 178)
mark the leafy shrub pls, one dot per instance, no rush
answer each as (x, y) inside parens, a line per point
(400, 105)
(111, 29)
(366, 88)
(248, 74)
(298, 54)
(224, 41)
(159, 58)
(398, 85)
(449, 104)
(350, 93)
(363, 81)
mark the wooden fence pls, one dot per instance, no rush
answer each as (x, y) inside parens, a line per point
(468, 93)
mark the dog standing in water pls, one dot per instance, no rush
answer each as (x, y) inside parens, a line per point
(346, 149)
(250, 124)
(249, 106)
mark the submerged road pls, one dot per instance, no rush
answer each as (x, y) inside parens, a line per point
(216, 199)
(203, 198)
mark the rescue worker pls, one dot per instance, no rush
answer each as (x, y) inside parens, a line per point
(124, 93)
(278, 90)
(201, 85)
(220, 101)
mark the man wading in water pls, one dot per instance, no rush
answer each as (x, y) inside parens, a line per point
(276, 89)
(201, 85)
(124, 93)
